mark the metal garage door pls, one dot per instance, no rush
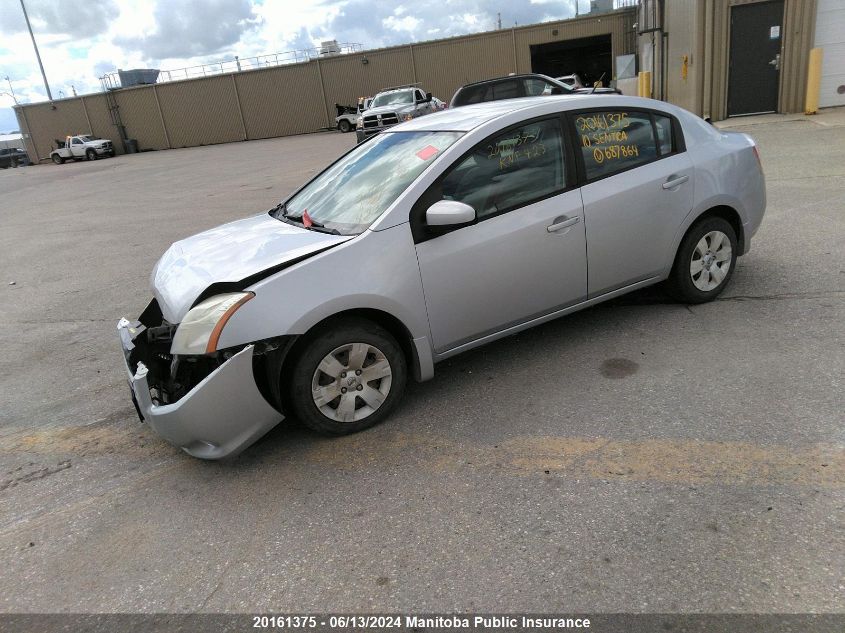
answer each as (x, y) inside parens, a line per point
(830, 34)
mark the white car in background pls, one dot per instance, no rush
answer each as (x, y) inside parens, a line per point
(573, 81)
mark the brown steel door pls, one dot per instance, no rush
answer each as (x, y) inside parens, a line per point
(756, 36)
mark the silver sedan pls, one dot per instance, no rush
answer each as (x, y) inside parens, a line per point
(443, 234)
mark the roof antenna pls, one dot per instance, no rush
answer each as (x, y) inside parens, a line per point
(596, 84)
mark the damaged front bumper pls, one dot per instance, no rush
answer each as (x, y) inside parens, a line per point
(219, 416)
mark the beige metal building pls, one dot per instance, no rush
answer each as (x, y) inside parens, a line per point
(717, 58)
(299, 98)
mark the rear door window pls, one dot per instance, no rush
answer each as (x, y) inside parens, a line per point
(473, 94)
(614, 140)
(506, 90)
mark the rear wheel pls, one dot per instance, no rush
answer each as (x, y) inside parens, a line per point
(344, 126)
(348, 378)
(705, 261)
(57, 159)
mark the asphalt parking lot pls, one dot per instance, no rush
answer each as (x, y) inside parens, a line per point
(640, 456)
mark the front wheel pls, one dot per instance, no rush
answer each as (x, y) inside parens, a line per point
(705, 261)
(348, 378)
(90, 154)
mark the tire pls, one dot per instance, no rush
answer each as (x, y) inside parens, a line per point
(57, 159)
(705, 261)
(344, 126)
(347, 402)
(90, 154)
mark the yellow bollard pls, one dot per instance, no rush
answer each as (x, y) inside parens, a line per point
(647, 83)
(640, 76)
(814, 80)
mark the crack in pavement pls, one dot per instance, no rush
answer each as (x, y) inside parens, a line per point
(34, 475)
(787, 295)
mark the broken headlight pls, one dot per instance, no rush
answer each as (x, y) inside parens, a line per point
(200, 330)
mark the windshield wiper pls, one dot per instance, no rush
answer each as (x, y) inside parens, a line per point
(317, 226)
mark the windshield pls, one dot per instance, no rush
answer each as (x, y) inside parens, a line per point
(393, 98)
(88, 137)
(351, 194)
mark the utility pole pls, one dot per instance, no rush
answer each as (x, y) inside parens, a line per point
(499, 21)
(37, 54)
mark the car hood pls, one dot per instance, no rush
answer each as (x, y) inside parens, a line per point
(389, 109)
(230, 253)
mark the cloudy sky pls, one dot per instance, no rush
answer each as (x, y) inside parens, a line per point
(80, 40)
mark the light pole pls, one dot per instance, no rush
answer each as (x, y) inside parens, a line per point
(37, 54)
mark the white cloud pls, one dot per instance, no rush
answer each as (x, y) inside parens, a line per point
(408, 24)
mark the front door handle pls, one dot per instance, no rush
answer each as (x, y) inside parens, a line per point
(674, 182)
(563, 223)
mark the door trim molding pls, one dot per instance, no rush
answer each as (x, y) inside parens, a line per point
(519, 327)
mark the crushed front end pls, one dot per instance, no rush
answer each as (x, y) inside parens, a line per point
(209, 405)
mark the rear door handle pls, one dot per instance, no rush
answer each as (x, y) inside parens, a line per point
(674, 182)
(564, 223)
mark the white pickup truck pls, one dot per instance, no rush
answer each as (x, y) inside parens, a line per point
(347, 117)
(394, 105)
(81, 146)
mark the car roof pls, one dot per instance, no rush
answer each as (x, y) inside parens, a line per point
(466, 118)
(396, 89)
(507, 77)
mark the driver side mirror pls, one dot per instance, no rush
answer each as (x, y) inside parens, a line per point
(449, 214)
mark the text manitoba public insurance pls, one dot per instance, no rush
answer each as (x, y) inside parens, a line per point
(496, 622)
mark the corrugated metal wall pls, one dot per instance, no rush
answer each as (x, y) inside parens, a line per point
(280, 105)
(196, 112)
(481, 57)
(345, 78)
(139, 113)
(299, 98)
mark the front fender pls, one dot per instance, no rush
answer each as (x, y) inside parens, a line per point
(377, 270)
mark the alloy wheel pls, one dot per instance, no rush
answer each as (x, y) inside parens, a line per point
(711, 261)
(351, 382)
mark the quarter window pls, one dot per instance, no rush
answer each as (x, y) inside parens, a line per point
(536, 87)
(509, 170)
(614, 140)
(663, 125)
